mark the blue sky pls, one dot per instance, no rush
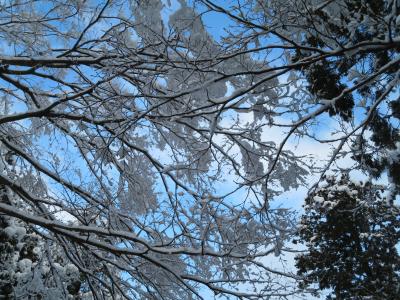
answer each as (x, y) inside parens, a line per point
(215, 23)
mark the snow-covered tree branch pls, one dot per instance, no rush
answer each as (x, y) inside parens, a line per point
(141, 150)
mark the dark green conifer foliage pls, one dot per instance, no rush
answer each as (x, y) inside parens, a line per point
(328, 79)
(351, 232)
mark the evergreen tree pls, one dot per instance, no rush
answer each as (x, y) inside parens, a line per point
(31, 265)
(351, 232)
(364, 36)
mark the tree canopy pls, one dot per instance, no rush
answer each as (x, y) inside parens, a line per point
(351, 232)
(143, 150)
